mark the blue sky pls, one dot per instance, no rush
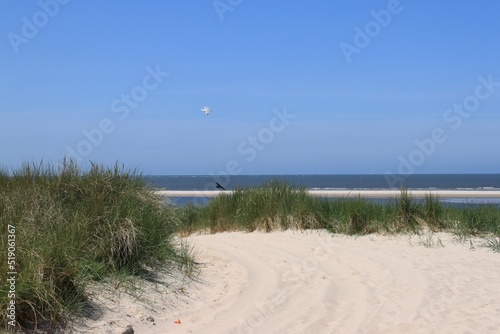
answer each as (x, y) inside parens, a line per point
(295, 87)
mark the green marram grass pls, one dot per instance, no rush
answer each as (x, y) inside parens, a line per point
(72, 227)
(278, 205)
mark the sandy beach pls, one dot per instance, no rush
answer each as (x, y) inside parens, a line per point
(315, 282)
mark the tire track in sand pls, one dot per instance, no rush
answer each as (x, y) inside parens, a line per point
(295, 282)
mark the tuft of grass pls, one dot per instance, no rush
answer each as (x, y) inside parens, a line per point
(493, 244)
(433, 213)
(430, 240)
(73, 227)
(350, 216)
(406, 212)
(192, 217)
(275, 206)
(479, 220)
(188, 260)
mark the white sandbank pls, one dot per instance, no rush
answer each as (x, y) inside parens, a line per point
(315, 282)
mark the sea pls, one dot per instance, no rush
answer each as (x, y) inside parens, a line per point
(336, 181)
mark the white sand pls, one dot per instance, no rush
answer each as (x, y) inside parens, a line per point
(313, 282)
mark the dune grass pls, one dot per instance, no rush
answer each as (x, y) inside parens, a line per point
(72, 227)
(278, 205)
(477, 220)
(493, 244)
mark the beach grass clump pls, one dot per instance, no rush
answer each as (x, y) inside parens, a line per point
(278, 205)
(275, 206)
(407, 213)
(193, 219)
(479, 220)
(73, 226)
(429, 240)
(355, 216)
(493, 244)
(433, 213)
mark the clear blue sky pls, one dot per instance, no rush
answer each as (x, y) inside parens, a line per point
(371, 85)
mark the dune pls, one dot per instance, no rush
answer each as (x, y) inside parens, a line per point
(315, 282)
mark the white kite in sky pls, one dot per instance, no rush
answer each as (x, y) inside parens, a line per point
(206, 110)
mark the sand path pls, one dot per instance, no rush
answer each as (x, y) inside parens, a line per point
(313, 282)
